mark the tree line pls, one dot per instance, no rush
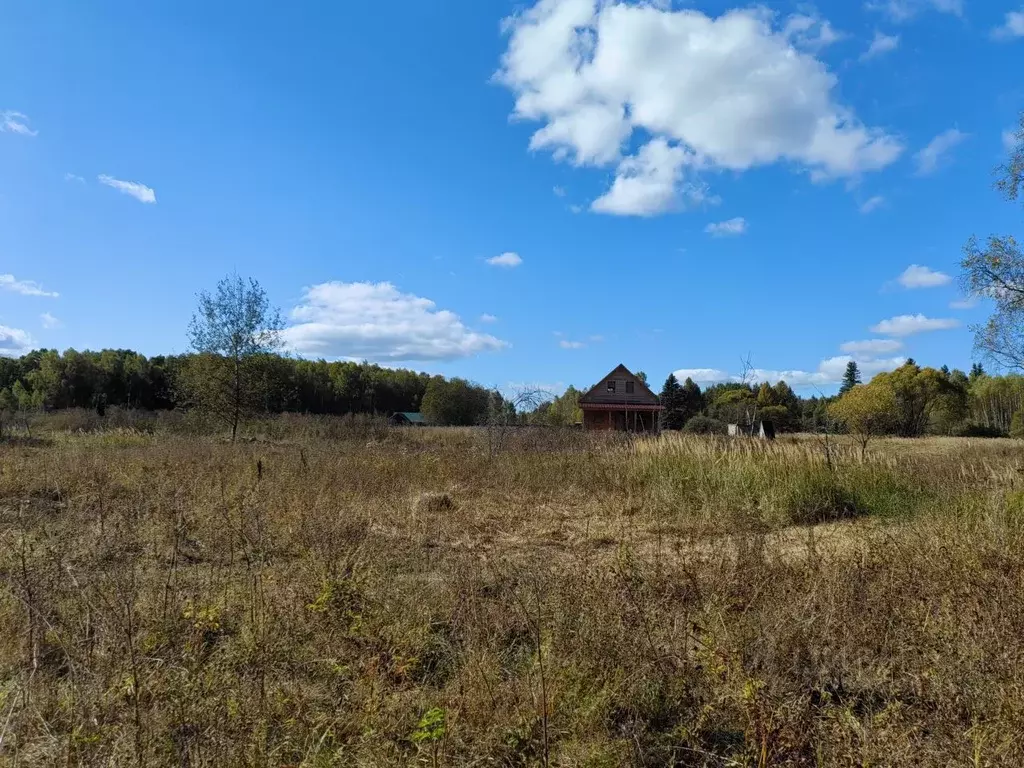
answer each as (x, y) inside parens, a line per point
(50, 380)
(235, 372)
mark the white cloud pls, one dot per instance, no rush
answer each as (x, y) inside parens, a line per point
(651, 183)
(15, 122)
(375, 321)
(880, 45)
(486, 318)
(14, 341)
(728, 228)
(917, 276)
(559, 191)
(703, 376)
(810, 32)
(731, 92)
(576, 208)
(931, 157)
(140, 192)
(907, 325)
(969, 303)
(566, 344)
(1012, 27)
(25, 287)
(508, 260)
(829, 372)
(904, 10)
(74, 177)
(49, 321)
(871, 348)
(872, 204)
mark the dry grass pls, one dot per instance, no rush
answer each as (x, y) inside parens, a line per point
(369, 597)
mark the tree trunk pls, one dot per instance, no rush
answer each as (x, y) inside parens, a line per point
(237, 400)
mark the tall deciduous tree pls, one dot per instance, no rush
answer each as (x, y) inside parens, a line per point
(230, 330)
(851, 378)
(867, 410)
(995, 270)
(454, 402)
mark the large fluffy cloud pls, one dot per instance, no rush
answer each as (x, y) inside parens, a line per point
(377, 322)
(733, 92)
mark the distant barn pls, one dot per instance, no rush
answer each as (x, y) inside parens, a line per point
(621, 402)
(407, 419)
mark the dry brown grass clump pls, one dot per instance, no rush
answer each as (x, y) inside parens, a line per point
(410, 597)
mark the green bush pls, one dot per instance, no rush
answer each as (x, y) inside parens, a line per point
(704, 425)
(1017, 425)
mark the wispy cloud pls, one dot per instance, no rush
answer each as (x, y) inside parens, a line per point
(917, 276)
(25, 287)
(729, 228)
(508, 260)
(872, 204)
(74, 177)
(1012, 26)
(1011, 137)
(49, 321)
(15, 122)
(968, 303)
(566, 344)
(932, 156)
(871, 347)
(908, 325)
(905, 10)
(486, 318)
(140, 192)
(880, 45)
(559, 191)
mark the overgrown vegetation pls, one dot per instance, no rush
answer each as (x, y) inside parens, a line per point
(334, 592)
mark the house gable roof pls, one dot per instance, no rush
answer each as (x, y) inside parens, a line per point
(619, 369)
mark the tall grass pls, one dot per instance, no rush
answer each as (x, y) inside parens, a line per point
(352, 595)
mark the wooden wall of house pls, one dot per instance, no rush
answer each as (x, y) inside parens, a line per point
(631, 421)
(640, 395)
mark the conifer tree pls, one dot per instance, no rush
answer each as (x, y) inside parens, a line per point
(671, 398)
(851, 378)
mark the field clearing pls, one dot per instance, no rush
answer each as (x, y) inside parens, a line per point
(322, 596)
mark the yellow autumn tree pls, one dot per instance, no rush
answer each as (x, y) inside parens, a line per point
(867, 410)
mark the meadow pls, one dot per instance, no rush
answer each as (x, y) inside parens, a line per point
(338, 593)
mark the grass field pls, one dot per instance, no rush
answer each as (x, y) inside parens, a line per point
(326, 596)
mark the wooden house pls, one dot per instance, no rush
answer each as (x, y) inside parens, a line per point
(622, 402)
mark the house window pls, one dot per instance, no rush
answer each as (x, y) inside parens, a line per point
(611, 386)
(629, 387)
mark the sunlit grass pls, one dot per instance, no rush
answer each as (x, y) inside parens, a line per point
(330, 593)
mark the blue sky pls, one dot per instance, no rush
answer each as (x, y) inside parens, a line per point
(515, 193)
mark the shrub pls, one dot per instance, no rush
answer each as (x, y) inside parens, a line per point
(977, 430)
(704, 425)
